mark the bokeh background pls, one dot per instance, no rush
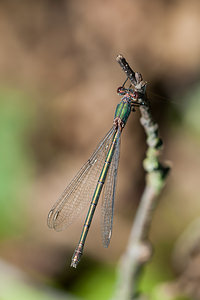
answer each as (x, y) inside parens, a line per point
(58, 81)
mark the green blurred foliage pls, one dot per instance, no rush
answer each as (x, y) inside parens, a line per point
(96, 284)
(16, 121)
(163, 292)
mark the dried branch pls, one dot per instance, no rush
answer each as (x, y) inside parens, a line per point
(139, 249)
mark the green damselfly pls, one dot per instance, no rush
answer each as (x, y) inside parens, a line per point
(99, 172)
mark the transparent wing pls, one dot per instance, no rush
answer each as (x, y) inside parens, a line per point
(79, 192)
(109, 197)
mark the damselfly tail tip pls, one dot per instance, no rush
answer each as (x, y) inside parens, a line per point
(75, 260)
(77, 256)
(73, 264)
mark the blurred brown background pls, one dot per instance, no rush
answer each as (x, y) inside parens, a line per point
(58, 81)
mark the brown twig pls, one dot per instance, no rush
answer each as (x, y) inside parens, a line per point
(139, 249)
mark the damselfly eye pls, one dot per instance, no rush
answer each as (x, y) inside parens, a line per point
(121, 90)
(134, 95)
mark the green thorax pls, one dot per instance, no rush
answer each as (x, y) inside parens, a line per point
(123, 110)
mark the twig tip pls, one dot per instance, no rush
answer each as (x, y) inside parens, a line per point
(119, 57)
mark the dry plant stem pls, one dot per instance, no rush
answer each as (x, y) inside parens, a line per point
(139, 249)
